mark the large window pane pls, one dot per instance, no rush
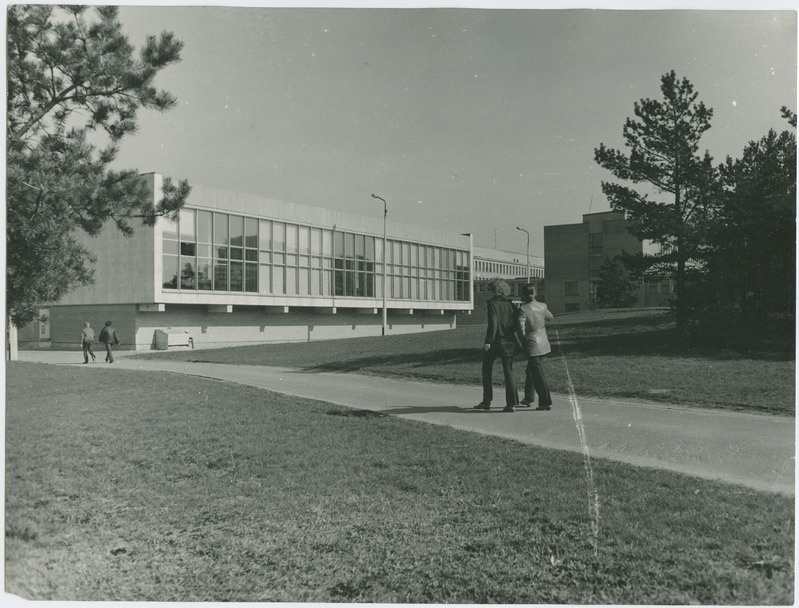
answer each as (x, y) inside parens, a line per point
(170, 230)
(236, 231)
(349, 245)
(279, 237)
(251, 277)
(316, 241)
(204, 226)
(263, 278)
(265, 235)
(204, 278)
(304, 239)
(327, 287)
(170, 271)
(327, 243)
(360, 246)
(220, 228)
(291, 238)
(188, 274)
(251, 233)
(220, 275)
(302, 282)
(277, 281)
(187, 228)
(316, 282)
(338, 245)
(236, 276)
(291, 281)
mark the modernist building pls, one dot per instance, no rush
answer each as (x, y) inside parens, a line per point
(574, 254)
(237, 269)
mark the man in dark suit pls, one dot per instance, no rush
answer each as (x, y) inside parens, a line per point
(501, 341)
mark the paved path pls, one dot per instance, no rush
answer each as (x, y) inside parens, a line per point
(753, 450)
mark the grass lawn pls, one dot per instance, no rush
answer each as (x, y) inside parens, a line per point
(124, 485)
(627, 354)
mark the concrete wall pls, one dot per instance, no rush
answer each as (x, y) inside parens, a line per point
(566, 248)
(248, 325)
(124, 268)
(567, 256)
(66, 323)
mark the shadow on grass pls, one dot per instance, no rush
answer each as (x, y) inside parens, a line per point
(453, 356)
(657, 335)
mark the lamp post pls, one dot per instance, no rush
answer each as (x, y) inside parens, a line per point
(385, 261)
(528, 252)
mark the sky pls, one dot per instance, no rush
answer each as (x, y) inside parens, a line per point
(468, 120)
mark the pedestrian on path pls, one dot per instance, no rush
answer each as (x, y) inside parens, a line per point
(86, 339)
(108, 336)
(533, 317)
(501, 340)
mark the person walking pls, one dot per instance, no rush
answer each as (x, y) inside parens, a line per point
(86, 339)
(108, 337)
(532, 320)
(501, 340)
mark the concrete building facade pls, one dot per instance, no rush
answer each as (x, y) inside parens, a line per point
(574, 254)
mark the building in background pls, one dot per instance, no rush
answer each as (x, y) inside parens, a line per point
(574, 253)
(240, 269)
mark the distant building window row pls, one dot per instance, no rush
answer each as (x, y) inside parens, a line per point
(212, 251)
(507, 269)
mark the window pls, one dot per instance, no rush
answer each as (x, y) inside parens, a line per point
(216, 251)
(595, 243)
(572, 288)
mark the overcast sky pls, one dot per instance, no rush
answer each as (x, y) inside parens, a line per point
(463, 119)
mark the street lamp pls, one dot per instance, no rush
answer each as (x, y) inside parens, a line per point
(528, 252)
(385, 261)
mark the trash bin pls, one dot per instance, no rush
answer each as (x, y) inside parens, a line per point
(166, 338)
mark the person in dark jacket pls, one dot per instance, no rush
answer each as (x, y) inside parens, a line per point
(501, 340)
(108, 337)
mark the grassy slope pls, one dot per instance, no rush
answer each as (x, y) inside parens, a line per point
(145, 486)
(629, 354)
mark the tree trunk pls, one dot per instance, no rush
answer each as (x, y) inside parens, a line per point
(12, 345)
(679, 288)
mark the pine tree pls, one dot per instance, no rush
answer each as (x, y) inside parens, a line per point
(71, 72)
(680, 185)
(754, 239)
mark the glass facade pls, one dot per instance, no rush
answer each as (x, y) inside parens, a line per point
(223, 252)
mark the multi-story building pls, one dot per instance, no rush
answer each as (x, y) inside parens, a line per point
(236, 269)
(574, 253)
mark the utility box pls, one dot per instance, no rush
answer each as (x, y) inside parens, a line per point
(166, 338)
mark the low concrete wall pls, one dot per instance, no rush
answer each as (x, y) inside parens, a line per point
(136, 329)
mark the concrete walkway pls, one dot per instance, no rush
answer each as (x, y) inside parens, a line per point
(757, 451)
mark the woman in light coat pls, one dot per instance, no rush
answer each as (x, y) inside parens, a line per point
(533, 316)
